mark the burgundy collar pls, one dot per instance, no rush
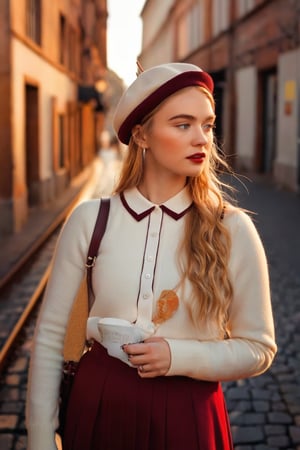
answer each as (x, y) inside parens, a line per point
(139, 207)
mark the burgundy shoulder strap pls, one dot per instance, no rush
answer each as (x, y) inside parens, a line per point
(97, 236)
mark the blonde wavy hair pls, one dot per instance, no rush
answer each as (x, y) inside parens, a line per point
(206, 242)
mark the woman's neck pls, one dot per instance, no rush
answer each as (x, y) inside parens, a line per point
(160, 190)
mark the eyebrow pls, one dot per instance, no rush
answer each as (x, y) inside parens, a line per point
(189, 117)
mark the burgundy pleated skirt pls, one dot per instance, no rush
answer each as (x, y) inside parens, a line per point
(112, 408)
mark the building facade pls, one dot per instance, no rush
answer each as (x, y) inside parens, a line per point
(53, 53)
(252, 50)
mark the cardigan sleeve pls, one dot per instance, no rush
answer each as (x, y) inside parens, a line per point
(251, 347)
(46, 357)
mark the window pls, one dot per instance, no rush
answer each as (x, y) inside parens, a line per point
(69, 46)
(244, 6)
(33, 20)
(74, 51)
(62, 39)
(61, 141)
(182, 39)
(195, 28)
(220, 16)
(190, 32)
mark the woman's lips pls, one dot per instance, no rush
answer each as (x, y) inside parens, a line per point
(197, 158)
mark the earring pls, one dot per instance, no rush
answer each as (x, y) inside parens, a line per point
(144, 153)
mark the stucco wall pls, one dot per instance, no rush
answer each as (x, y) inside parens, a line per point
(161, 51)
(158, 34)
(154, 15)
(51, 82)
(27, 66)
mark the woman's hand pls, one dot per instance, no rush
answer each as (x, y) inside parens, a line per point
(152, 358)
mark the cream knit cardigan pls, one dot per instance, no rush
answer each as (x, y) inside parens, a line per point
(137, 261)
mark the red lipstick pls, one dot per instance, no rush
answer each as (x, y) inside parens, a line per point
(197, 158)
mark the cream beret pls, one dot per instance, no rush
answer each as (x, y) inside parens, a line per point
(150, 88)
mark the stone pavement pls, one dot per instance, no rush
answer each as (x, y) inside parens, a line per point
(265, 411)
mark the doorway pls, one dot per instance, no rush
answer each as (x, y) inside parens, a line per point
(219, 82)
(32, 143)
(269, 120)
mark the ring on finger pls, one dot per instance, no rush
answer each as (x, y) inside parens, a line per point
(141, 369)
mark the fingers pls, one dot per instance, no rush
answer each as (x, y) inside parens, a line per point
(137, 355)
(142, 348)
(151, 358)
(134, 349)
(147, 371)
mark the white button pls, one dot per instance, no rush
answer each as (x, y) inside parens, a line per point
(148, 276)
(145, 296)
(150, 258)
(154, 234)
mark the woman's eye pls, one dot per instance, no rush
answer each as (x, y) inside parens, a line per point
(183, 126)
(208, 126)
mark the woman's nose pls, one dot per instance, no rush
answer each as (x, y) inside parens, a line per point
(200, 137)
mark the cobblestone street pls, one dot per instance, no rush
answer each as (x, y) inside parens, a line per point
(264, 411)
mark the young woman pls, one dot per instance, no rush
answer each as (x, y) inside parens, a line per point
(179, 264)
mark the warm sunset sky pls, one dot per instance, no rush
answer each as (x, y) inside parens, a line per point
(124, 28)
